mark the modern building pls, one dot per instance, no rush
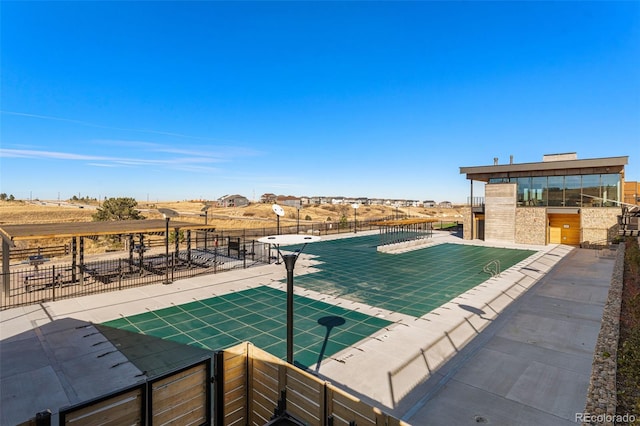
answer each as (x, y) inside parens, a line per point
(560, 200)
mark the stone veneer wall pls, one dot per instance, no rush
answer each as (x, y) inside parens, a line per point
(531, 225)
(466, 223)
(599, 224)
(601, 397)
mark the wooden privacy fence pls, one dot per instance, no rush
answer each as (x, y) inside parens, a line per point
(251, 387)
(181, 397)
(258, 388)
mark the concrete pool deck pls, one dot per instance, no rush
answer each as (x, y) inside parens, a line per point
(496, 352)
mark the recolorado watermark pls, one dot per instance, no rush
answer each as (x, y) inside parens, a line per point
(605, 418)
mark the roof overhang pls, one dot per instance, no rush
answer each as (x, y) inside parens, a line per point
(13, 233)
(547, 168)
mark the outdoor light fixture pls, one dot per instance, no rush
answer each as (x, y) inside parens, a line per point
(289, 262)
(355, 217)
(279, 211)
(167, 214)
(205, 209)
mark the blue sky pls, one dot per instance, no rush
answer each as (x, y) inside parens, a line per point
(189, 100)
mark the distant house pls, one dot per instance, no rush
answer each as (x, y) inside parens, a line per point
(233, 201)
(428, 203)
(268, 198)
(446, 204)
(319, 199)
(288, 200)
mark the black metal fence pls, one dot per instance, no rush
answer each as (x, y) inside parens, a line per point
(51, 279)
(55, 280)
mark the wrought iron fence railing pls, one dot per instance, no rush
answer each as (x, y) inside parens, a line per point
(62, 280)
(55, 278)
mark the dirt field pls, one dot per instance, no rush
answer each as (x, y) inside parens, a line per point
(224, 218)
(254, 215)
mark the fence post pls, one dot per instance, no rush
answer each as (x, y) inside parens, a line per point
(43, 418)
(119, 274)
(53, 281)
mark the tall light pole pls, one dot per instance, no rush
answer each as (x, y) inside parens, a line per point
(355, 217)
(167, 214)
(205, 209)
(298, 223)
(289, 262)
(279, 211)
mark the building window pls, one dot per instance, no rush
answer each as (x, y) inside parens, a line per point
(525, 195)
(591, 191)
(572, 190)
(555, 191)
(539, 190)
(610, 190)
(568, 191)
(499, 180)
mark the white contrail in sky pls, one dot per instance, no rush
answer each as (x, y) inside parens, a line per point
(183, 162)
(101, 126)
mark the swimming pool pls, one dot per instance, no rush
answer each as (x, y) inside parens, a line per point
(412, 283)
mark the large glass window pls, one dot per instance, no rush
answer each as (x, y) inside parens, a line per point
(539, 190)
(499, 180)
(610, 190)
(572, 189)
(555, 195)
(525, 196)
(591, 191)
(567, 191)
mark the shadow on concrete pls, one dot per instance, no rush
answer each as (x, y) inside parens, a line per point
(69, 361)
(329, 322)
(474, 310)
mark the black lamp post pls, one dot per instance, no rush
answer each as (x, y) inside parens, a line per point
(289, 262)
(355, 217)
(167, 214)
(279, 211)
(205, 209)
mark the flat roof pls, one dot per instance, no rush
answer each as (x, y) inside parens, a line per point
(34, 231)
(400, 222)
(547, 168)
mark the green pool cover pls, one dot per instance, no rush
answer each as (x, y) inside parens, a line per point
(412, 283)
(257, 315)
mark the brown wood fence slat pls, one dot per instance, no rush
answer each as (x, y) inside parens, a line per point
(309, 399)
(121, 409)
(181, 398)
